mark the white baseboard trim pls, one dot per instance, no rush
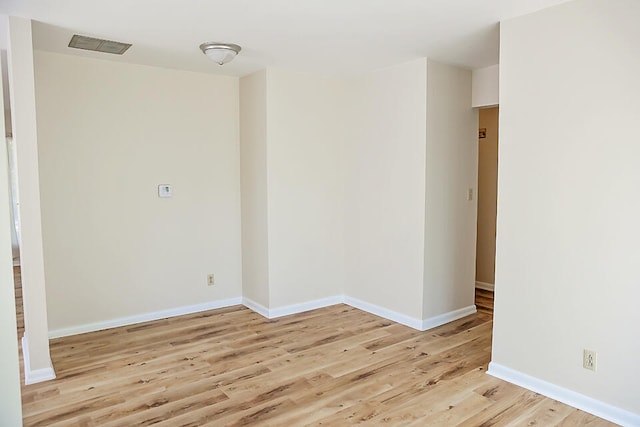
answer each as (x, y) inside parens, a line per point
(412, 322)
(569, 397)
(409, 321)
(258, 308)
(441, 319)
(269, 313)
(272, 313)
(35, 375)
(146, 317)
(305, 306)
(486, 286)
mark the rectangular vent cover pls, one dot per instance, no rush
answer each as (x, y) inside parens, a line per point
(98, 45)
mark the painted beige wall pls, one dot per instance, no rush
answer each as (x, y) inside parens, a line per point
(487, 196)
(346, 163)
(451, 169)
(385, 187)
(110, 133)
(305, 187)
(568, 230)
(316, 154)
(10, 401)
(4, 46)
(334, 175)
(485, 86)
(292, 182)
(253, 166)
(23, 113)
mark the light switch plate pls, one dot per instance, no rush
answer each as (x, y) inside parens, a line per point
(165, 190)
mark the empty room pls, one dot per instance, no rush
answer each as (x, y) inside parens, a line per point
(278, 213)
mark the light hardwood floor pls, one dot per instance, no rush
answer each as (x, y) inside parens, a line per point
(484, 301)
(17, 281)
(334, 366)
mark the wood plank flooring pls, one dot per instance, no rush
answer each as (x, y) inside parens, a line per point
(17, 283)
(484, 301)
(334, 366)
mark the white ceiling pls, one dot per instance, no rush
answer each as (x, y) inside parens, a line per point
(326, 37)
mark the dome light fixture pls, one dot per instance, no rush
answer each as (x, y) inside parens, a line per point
(221, 53)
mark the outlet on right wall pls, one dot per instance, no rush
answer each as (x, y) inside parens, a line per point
(567, 275)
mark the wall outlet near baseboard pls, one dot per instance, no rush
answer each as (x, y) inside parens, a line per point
(211, 280)
(589, 360)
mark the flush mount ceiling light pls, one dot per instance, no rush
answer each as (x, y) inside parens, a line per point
(221, 53)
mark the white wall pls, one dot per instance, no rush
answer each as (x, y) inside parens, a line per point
(109, 134)
(305, 185)
(486, 86)
(568, 231)
(4, 46)
(10, 401)
(333, 177)
(253, 166)
(346, 185)
(451, 169)
(385, 187)
(23, 113)
(317, 154)
(292, 181)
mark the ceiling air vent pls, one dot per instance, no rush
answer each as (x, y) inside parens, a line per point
(98, 45)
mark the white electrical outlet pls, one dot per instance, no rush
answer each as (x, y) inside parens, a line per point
(589, 360)
(210, 280)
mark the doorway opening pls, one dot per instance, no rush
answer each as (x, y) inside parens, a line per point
(487, 207)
